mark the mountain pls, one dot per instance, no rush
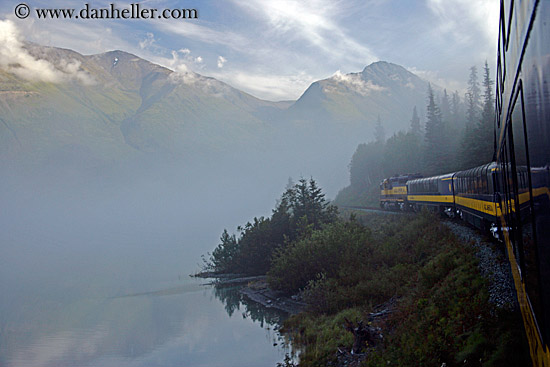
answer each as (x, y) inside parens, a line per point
(115, 105)
(355, 101)
(88, 112)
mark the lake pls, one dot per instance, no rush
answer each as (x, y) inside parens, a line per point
(84, 288)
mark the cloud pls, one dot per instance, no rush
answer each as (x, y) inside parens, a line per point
(460, 18)
(313, 21)
(261, 84)
(182, 61)
(205, 34)
(148, 41)
(353, 82)
(15, 58)
(221, 61)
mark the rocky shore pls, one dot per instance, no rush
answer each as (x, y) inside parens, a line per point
(256, 289)
(259, 291)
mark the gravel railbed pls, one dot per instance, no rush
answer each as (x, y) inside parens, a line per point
(493, 265)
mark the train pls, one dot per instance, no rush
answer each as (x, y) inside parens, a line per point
(471, 195)
(510, 197)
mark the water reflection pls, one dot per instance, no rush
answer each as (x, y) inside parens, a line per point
(180, 325)
(234, 301)
(267, 317)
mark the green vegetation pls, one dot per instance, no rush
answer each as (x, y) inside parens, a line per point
(442, 311)
(411, 266)
(301, 210)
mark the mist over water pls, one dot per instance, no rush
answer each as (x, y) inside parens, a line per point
(95, 266)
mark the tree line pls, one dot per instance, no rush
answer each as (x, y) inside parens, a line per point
(458, 134)
(301, 210)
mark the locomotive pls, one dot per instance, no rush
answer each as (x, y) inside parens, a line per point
(511, 196)
(393, 192)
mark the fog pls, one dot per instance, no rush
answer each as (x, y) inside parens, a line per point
(74, 235)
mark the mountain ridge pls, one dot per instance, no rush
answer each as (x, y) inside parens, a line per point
(117, 107)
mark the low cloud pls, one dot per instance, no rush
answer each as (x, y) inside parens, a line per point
(15, 58)
(183, 61)
(353, 82)
(184, 75)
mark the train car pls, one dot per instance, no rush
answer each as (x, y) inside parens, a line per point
(523, 161)
(476, 195)
(434, 193)
(393, 192)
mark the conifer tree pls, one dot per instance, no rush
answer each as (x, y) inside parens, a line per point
(472, 98)
(415, 123)
(379, 132)
(435, 155)
(485, 133)
(445, 107)
(477, 142)
(456, 115)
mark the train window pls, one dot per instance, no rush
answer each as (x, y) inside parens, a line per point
(515, 200)
(504, 188)
(500, 70)
(518, 127)
(504, 20)
(507, 29)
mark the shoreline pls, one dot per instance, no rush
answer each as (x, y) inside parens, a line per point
(256, 289)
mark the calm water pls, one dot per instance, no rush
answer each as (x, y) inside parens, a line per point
(88, 291)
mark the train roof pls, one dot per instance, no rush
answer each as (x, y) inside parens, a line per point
(476, 171)
(440, 177)
(405, 177)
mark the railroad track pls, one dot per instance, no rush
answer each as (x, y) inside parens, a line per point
(370, 209)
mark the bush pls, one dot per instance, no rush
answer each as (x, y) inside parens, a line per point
(301, 210)
(324, 253)
(443, 313)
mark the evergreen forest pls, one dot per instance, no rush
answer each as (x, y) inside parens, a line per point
(458, 134)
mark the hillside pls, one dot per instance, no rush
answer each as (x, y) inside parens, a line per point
(356, 100)
(122, 105)
(58, 107)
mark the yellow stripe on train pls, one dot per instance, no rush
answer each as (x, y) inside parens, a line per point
(398, 190)
(487, 207)
(539, 352)
(432, 198)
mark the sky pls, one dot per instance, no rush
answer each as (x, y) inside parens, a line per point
(274, 49)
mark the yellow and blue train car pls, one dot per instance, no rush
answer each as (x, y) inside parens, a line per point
(476, 196)
(434, 193)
